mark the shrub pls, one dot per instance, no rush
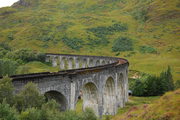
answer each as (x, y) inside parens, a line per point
(141, 15)
(102, 31)
(5, 46)
(3, 52)
(29, 97)
(31, 114)
(7, 112)
(89, 115)
(108, 30)
(177, 84)
(147, 49)
(7, 67)
(6, 90)
(98, 41)
(150, 85)
(10, 36)
(26, 55)
(122, 44)
(73, 43)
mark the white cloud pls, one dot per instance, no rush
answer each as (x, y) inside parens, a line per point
(4, 3)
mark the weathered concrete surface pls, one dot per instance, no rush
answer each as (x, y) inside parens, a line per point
(102, 80)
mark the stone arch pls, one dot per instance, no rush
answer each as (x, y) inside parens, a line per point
(59, 97)
(90, 97)
(97, 62)
(120, 90)
(109, 97)
(103, 62)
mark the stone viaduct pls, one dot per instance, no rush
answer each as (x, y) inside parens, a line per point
(102, 81)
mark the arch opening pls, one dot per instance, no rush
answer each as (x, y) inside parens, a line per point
(58, 97)
(90, 97)
(97, 63)
(109, 97)
(103, 62)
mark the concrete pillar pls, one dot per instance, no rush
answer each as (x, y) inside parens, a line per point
(84, 62)
(72, 96)
(70, 63)
(88, 60)
(77, 61)
(91, 62)
(62, 63)
(126, 84)
(54, 61)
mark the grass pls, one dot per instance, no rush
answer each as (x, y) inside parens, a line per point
(133, 101)
(166, 107)
(34, 67)
(42, 27)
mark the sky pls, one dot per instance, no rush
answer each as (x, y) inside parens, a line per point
(5, 3)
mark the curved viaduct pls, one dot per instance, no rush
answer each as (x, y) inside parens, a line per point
(102, 81)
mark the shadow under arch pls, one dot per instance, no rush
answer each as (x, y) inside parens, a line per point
(90, 97)
(60, 99)
(109, 97)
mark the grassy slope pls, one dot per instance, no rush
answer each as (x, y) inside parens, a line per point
(72, 18)
(165, 108)
(133, 102)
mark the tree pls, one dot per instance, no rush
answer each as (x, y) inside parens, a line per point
(7, 112)
(31, 114)
(7, 67)
(122, 44)
(29, 97)
(6, 90)
(167, 80)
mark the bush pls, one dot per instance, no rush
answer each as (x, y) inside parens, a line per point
(7, 67)
(141, 15)
(89, 115)
(147, 49)
(6, 90)
(3, 52)
(102, 31)
(177, 84)
(31, 114)
(150, 85)
(29, 97)
(7, 112)
(73, 43)
(122, 44)
(25, 55)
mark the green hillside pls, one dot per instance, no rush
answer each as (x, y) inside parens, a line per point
(165, 108)
(146, 32)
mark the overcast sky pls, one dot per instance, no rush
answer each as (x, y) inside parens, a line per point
(4, 3)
